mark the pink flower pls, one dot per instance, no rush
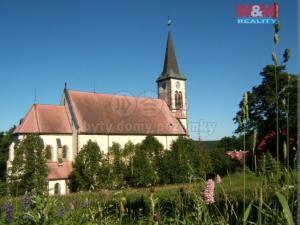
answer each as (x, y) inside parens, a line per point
(218, 179)
(209, 192)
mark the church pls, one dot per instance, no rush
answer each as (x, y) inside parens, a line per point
(104, 118)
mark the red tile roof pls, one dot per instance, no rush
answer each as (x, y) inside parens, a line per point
(113, 114)
(237, 155)
(179, 114)
(57, 171)
(45, 119)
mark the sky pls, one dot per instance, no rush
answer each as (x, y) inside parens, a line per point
(117, 46)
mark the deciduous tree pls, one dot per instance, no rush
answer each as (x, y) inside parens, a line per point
(29, 170)
(90, 169)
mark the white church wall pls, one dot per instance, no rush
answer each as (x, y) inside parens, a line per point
(105, 141)
(65, 140)
(184, 123)
(62, 184)
(48, 140)
(11, 152)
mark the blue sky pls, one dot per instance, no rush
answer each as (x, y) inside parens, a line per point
(120, 46)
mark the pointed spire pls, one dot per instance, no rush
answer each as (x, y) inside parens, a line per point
(171, 69)
(170, 64)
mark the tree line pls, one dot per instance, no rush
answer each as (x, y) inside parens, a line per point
(146, 164)
(141, 165)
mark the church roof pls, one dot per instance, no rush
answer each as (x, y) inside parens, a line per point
(113, 114)
(171, 69)
(45, 119)
(179, 114)
(59, 171)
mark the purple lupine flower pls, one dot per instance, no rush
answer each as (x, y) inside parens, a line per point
(33, 198)
(218, 179)
(25, 202)
(8, 212)
(85, 204)
(61, 211)
(209, 192)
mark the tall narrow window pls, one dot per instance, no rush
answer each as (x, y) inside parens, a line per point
(176, 100)
(65, 152)
(59, 150)
(57, 188)
(180, 102)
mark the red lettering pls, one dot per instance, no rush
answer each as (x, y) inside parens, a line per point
(268, 10)
(243, 10)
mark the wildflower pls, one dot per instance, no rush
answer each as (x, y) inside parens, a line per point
(25, 202)
(218, 179)
(122, 203)
(72, 205)
(85, 204)
(33, 196)
(286, 55)
(61, 211)
(284, 150)
(209, 192)
(274, 58)
(152, 203)
(8, 212)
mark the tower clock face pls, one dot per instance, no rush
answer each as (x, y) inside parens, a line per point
(177, 84)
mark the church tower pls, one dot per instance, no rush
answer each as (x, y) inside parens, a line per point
(172, 84)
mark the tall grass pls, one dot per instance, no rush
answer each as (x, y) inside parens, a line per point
(170, 204)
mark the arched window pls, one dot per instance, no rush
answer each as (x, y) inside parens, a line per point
(180, 102)
(176, 99)
(57, 190)
(59, 150)
(65, 152)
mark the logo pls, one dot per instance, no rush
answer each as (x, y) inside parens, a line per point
(257, 14)
(147, 104)
(123, 104)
